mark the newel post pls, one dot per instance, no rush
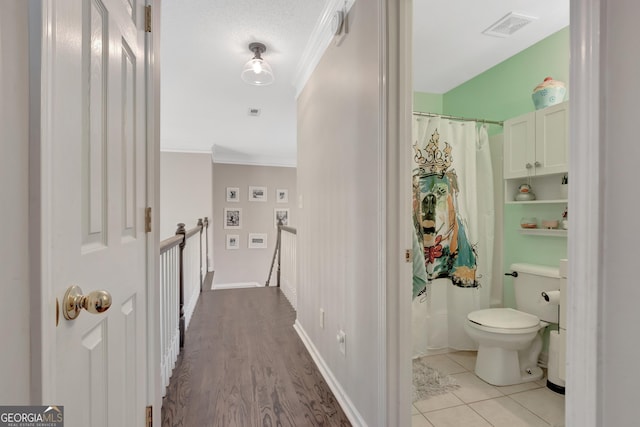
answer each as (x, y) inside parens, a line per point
(279, 246)
(276, 256)
(201, 225)
(206, 240)
(181, 230)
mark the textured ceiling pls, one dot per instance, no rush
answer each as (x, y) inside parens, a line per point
(204, 46)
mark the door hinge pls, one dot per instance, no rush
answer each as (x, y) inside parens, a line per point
(147, 19)
(147, 220)
(149, 417)
(408, 255)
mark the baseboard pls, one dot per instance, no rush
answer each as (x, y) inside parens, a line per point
(343, 399)
(239, 285)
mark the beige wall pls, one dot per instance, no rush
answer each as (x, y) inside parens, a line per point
(340, 181)
(185, 192)
(243, 264)
(15, 298)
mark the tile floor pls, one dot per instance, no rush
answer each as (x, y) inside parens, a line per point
(478, 404)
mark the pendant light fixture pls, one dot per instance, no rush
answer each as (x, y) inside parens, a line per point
(257, 71)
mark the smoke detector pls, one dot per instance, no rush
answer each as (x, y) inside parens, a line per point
(255, 112)
(508, 24)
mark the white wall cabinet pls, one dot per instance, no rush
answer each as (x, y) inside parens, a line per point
(536, 143)
(536, 147)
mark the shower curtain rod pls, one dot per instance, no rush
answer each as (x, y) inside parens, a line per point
(464, 119)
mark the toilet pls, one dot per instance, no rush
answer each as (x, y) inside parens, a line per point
(510, 341)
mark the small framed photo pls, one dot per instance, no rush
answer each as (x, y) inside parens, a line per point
(233, 241)
(233, 218)
(280, 214)
(257, 241)
(282, 195)
(233, 194)
(257, 194)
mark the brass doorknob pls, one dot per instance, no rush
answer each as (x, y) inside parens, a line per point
(73, 302)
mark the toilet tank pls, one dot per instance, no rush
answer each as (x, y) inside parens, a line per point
(532, 280)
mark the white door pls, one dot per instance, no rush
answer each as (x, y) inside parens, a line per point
(519, 146)
(95, 164)
(552, 139)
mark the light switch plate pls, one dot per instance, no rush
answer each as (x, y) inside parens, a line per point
(336, 22)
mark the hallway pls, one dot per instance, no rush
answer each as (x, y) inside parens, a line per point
(244, 365)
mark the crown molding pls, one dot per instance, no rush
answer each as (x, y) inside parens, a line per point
(318, 42)
(184, 150)
(258, 161)
(221, 155)
(238, 158)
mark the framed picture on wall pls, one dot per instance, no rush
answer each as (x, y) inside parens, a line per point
(280, 214)
(257, 194)
(257, 241)
(232, 218)
(233, 194)
(282, 195)
(233, 241)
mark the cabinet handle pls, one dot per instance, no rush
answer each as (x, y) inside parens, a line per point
(528, 166)
(537, 164)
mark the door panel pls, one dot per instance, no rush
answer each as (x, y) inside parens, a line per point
(95, 361)
(94, 162)
(98, 194)
(128, 170)
(519, 143)
(552, 139)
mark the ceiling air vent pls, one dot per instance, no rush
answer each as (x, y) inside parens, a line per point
(255, 112)
(508, 24)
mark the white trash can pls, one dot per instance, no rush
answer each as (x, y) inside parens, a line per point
(553, 380)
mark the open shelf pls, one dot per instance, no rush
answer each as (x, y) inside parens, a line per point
(543, 232)
(547, 188)
(535, 202)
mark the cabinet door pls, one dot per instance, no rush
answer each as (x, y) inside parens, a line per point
(552, 139)
(519, 145)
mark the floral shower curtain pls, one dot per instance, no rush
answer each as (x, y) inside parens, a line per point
(453, 221)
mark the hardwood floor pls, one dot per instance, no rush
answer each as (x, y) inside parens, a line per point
(244, 365)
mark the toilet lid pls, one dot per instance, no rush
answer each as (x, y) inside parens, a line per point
(504, 318)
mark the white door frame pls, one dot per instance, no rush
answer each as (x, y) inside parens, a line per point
(582, 407)
(396, 109)
(43, 316)
(152, 80)
(585, 275)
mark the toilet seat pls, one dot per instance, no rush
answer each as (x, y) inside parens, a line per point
(504, 320)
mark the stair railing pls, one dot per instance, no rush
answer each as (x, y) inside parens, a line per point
(181, 280)
(286, 272)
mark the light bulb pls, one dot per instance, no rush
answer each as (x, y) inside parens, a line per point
(257, 66)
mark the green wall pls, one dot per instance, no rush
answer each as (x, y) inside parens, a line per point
(427, 102)
(500, 93)
(504, 91)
